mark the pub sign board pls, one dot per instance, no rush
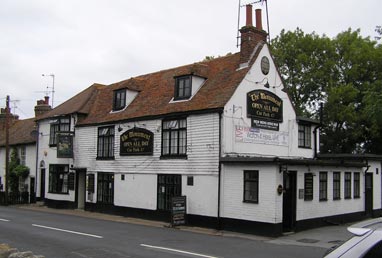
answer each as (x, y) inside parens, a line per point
(178, 210)
(64, 145)
(264, 105)
(137, 141)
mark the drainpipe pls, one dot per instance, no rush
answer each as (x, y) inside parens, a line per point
(219, 226)
(37, 165)
(315, 131)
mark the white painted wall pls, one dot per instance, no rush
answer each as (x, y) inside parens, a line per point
(375, 168)
(30, 161)
(316, 208)
(139, 190)
(262, 142)
(49, 156)
(232, 205)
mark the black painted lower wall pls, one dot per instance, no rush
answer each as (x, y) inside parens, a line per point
(235, 225)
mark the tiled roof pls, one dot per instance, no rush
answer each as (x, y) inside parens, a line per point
(80, 103)
(19, 132)
(156, 90)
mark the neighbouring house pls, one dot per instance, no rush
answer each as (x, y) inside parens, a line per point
(221, 132)
(22, 146)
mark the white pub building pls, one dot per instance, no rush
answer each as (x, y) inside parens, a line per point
(223, 133)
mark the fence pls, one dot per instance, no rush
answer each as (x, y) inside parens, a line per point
(17, 198)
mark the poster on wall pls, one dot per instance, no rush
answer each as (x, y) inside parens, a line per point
(255, 135)
(137, 141)
(64, 146)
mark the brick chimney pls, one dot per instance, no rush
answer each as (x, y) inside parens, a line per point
(42, 107)
(251, 36)
(12, 117)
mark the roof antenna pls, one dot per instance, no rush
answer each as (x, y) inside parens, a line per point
(238, 20)
(238, 25)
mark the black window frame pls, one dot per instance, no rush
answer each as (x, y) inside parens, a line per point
(58, 179)
(357, 185)
(168, 186)
(336, 185)
(105, 188)
(304, 136)
(183, 90)
(347, 185)
(105, 142)
(323, 186)
(308, 195)
(174, 138)
(119, 99)
(251, 186)
(60, 125)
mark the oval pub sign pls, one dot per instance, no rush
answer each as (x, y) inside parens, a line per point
(137, 141)
(264, 105)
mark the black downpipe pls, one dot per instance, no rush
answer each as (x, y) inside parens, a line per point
(315, 130)
(219, 224)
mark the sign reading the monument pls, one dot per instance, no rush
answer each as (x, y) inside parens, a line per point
(137, 141)
(264, 105)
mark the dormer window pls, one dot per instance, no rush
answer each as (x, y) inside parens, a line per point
(183, 87)
(119, 99)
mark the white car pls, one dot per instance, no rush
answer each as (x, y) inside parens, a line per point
(366, 242)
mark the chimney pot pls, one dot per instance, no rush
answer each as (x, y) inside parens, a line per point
(259, 24)
(46, 100)
(249, 15)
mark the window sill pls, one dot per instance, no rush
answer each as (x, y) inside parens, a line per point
(248, 201)
(356, 197)
(305, 147)
(105, 158)
(174, 157)
(347, 198)
(58, 193)
(323, 200)
(336, 199)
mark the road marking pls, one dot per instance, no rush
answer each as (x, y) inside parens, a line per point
(68, 231)
(5, 220)
(178, 251)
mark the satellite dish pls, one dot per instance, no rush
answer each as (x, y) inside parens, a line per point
(34, 134)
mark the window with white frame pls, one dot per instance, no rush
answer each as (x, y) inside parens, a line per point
(23, 155)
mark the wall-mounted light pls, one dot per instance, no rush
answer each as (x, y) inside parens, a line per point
(264, 82)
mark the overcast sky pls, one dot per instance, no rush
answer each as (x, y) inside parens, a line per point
(105, 41)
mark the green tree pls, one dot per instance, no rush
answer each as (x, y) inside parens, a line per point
(344, 73)
(16, 171)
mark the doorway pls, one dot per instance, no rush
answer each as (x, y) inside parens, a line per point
(168, 186)
(80, 188)
(42, 184)
(369, 194)
(289, 200)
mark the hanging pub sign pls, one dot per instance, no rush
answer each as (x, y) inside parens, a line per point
(263, 106)
(64, 145)
(137, 141)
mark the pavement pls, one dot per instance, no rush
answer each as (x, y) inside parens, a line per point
(323, 237)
